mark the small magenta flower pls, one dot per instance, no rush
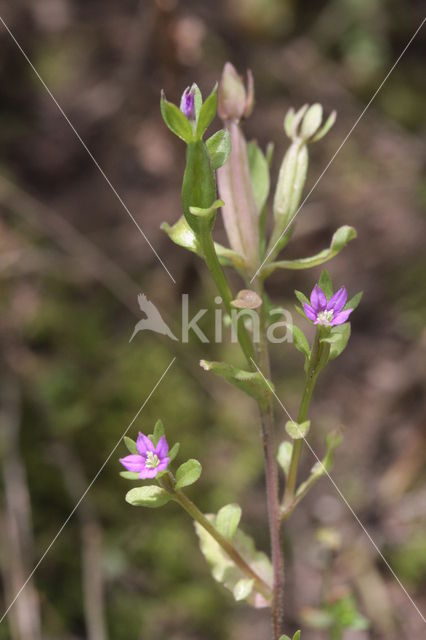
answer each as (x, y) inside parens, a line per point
(327, 313)
(150, 460)
(187, 103)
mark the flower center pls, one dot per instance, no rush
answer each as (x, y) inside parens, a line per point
(325, 317)
(152, 460)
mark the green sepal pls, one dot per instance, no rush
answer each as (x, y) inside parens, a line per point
(297, 430)
(227, 520)
(325, 283)
(131, 445)
(338, 339)
(325, 128)
(301, 297)
(158, 432)
(295, 637)
(176, 121)
(148, 496)
(188, 473)
(251, 382)
(207, 113)
(174, 451)
(354, 301)
(129, 475)
(340, 239)
(219, 148)
(259, 174)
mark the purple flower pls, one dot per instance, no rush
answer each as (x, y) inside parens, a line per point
(327, 313)
(187, 103)
(150, 460)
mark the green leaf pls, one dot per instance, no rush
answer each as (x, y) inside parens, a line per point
(300, 341)
(158, 432)
(188, 473)
(354, 302)
(219, 148)
(259, 174)
(252, 383)
(284, 455)
(148, 496)
(174, 451)
(325, 283)
(131, 445)
(207, 113)
(129, 475)
(207, 212)
(182, 234)
(243, 589)
(296, 430)
(227, 520)
(340, 239)
(177, 122)
(295, 637)
(223, 568)
(338, 339)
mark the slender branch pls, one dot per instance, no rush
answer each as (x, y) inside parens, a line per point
(260, 585)
(319, 354)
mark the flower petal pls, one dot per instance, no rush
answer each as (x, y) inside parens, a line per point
(341, 317)
(163, 464)
(162, 448)
(148, 473)
(318, 299)
(309, 312)
(144, 444)
(338, 301)
(133, 463)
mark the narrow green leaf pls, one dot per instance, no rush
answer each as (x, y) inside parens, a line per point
(158, 431)
(188, 473)
(252, 383)
(284, 455)
(227, 520)
(207, 113)
(131, 445)
(129, 475)
(148, 496)
(219, 148)
(296, 635)
(176, 121)
(174, 451)
(259, 174)
(340, 239)
(296, 430)
(243, 589)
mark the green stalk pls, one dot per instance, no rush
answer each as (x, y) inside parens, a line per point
(317, 361)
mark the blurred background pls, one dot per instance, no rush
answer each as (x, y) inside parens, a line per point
(72, 263)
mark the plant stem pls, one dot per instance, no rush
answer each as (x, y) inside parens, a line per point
(272, 486)
(260, 585)
(319, 352)
(224, 289)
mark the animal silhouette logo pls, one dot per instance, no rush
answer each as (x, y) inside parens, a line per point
(153, 321)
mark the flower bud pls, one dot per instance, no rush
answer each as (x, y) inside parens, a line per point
(187, 103)
(234, 100)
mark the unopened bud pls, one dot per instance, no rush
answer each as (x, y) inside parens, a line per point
(234, 100)
(187, 103)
